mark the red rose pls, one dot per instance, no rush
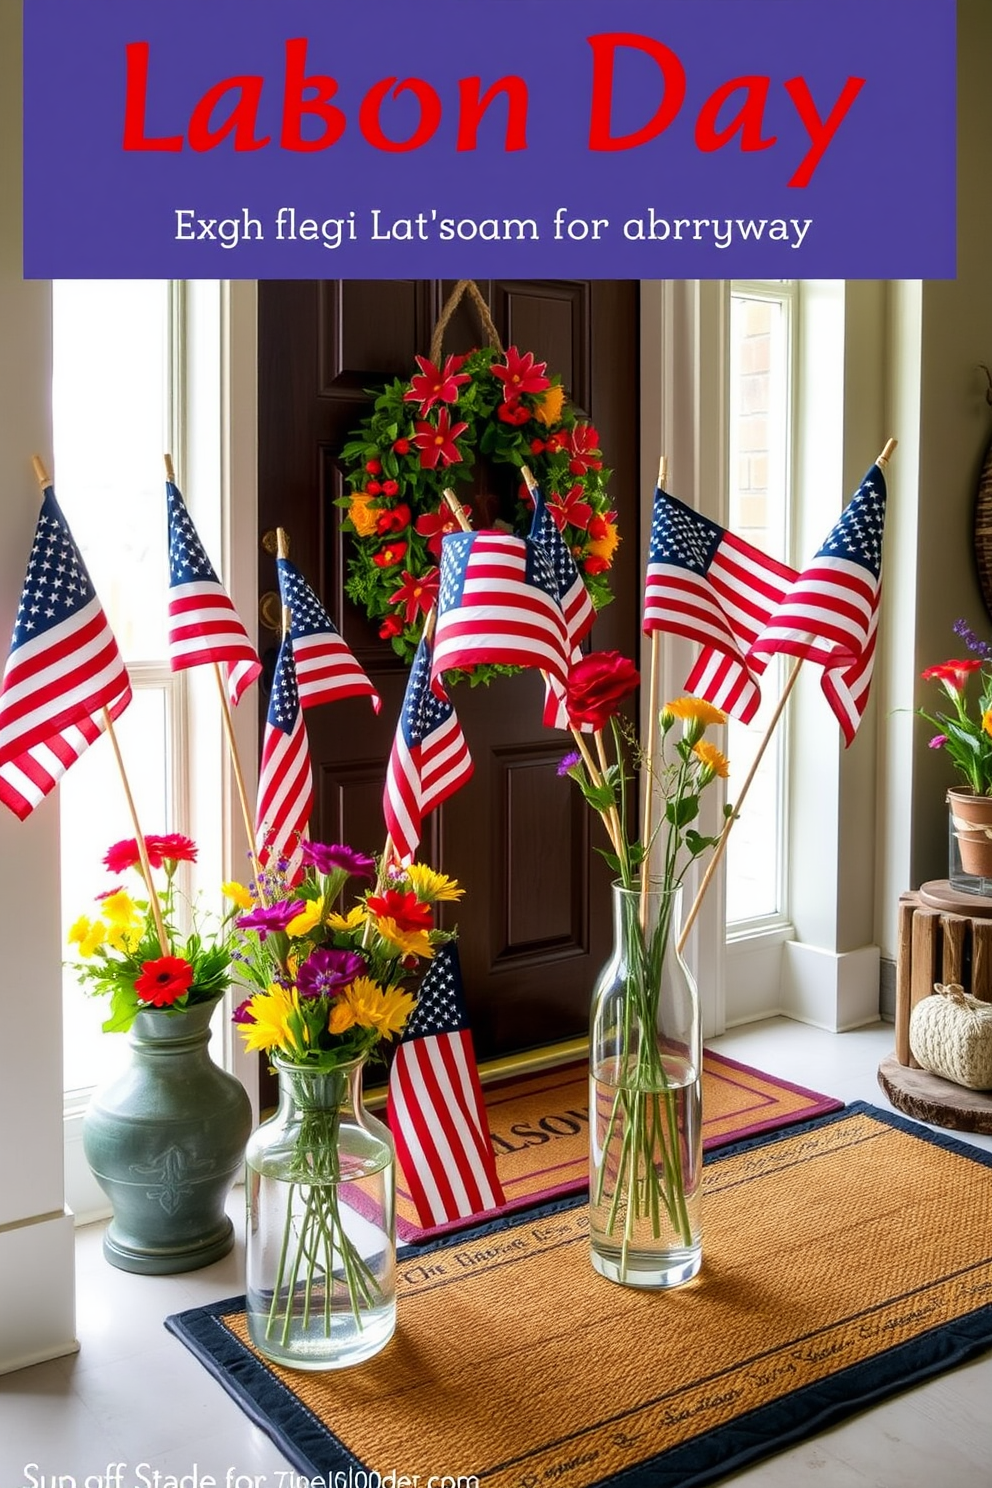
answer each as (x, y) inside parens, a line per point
(402, 447)
(373, 467)
(394, 520)
(391, 626)
(537, 446)
(390, 487)
(598, 684)
(373, 488)
(164, 980)
(513, 413)
(595, 565)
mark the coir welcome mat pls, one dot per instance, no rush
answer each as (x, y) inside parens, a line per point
(539, 1125)
(843, 1260)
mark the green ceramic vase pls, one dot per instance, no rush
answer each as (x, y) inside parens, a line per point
(165, 1140)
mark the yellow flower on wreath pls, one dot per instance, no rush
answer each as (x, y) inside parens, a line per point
(548, 411)
(605, 546)
(364, 514)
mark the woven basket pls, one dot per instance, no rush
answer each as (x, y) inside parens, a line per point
(950, 1034)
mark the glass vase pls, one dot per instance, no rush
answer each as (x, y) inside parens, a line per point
(645, 1124)
(321, 1246)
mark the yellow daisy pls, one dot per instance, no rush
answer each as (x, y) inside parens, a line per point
(695, 710)
(714, 761)
(431, 887)
(307, 918)
(385, 1010)
(353, 920)
(407, 942)
(239, 894)
(271, 1011)
(342, 1015)
(121, 910)
(87, 934)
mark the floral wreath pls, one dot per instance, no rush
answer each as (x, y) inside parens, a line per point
(424, 436)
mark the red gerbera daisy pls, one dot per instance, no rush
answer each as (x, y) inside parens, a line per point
(164, 980)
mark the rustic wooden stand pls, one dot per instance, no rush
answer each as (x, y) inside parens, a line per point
(944, 936)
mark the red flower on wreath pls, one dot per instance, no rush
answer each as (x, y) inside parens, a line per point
(582, 445)
(435, 384)
(521, 375)
(571, 510)
(435, 526)
(393, 520)
(437, 441)
(417, 593)
(513, 413)
(390, 555)
(391, 626)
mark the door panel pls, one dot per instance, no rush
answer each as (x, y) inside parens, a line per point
(534, 923)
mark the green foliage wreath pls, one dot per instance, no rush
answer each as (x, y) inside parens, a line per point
(426, 435)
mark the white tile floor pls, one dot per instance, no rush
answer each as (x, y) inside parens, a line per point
(133, 1395)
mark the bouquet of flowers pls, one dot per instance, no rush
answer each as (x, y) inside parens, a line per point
(645, 1053)
(328, 992)
(964, 736)
(132, 950)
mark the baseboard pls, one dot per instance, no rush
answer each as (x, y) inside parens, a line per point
(829, 989)
(37, 1291)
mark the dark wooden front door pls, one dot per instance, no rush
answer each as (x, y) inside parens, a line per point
(535, 920)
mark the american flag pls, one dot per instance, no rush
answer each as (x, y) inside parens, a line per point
(63, 669)
(830, 613)
(429, 759)
(710, 586)
(325, 668)
(285, 784)
(203, 623)
(435, 1107)
(573, 597)
(498, 602)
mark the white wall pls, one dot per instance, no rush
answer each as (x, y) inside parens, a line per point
(938, 333)
(36, 1254)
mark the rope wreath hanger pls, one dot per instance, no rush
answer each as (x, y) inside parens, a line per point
(429, 433)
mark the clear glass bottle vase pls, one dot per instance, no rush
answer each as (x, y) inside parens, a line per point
(321, 1245)
(645, 1171)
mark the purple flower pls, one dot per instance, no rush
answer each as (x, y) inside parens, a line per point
(325, 972)
(331, 859)
(569, 762)
(938, 741)
(242, 1013)
(268, 918)
(963, 629)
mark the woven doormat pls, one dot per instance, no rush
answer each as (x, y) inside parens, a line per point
(540, 1129)
(842, 1260)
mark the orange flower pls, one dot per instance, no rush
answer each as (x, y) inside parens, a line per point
(364, 514)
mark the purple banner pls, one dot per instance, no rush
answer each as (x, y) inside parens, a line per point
(565, 138)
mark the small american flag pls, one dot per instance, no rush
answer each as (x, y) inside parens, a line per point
(325, 668)
(830, 613)
(203, 623)
(498, 602)
(63, 669)
(435, 1107)
(710, 586)
(285, 784)
(429, 758)
(573, 597)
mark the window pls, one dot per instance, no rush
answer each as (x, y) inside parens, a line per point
(113, 414)
(760, 397)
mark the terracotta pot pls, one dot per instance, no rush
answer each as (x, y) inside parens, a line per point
(971, 823)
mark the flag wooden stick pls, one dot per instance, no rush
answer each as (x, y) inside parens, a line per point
(44, 481)
(652, 735)
(718, 851)
(232, 744)
(881, 461)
